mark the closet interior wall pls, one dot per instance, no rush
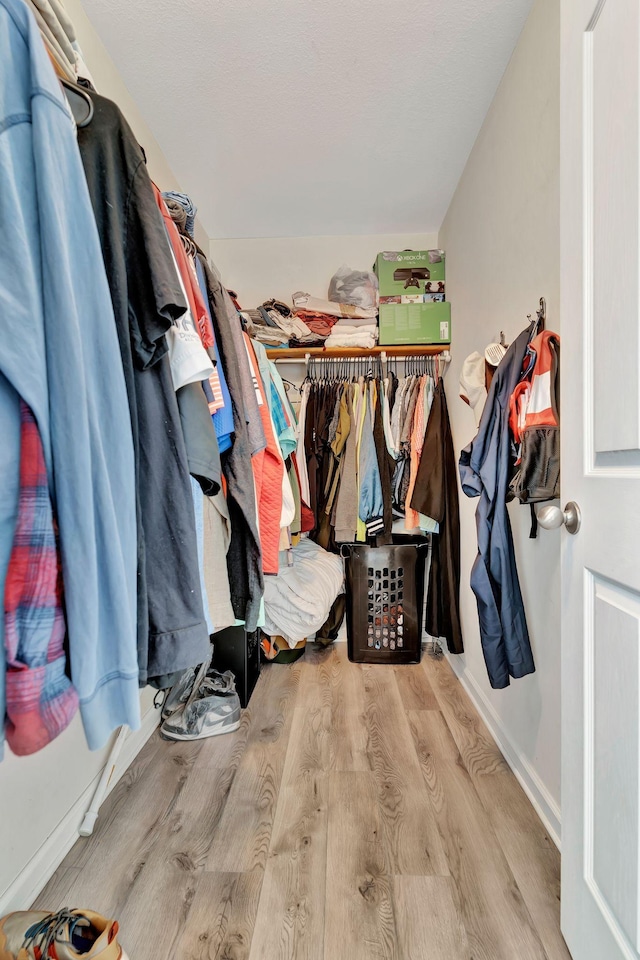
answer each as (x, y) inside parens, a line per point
(43, 797)
(109, 83)
(502, 238)
(279, 266)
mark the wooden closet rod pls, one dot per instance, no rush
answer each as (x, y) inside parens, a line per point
(410, 350)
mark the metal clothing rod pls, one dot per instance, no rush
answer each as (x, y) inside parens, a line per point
(433, 357)
(319, 366)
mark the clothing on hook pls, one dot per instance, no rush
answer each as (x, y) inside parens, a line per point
(485, 471)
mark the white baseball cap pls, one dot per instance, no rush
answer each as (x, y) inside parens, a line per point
(472, 388)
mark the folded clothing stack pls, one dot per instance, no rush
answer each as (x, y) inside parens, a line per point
(304, 301)
(318, 324)
(350, 325)
(275, 324)
(363, 336)
(270, 336)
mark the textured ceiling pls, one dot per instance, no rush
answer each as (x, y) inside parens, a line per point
(313, 117)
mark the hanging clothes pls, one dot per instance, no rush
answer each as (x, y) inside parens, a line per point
(346, 507)
(244, 557)
(400, 447)
(268, 468)
(219, 408)
(188, 206)
(201, 445)
(198, 509)
(58, 35)
(188, 360)
(283, 426)
(386, 462)
(217, 537)
(285, 418)
(247, 394)
(147, 300)
(534, 420)
(436, 495)
(412, 518)
(301, 448)
(187, 273)
(60, 355)
(370, 501)
(486, 467)
(191, 341)
(405, 445)
(348, 467)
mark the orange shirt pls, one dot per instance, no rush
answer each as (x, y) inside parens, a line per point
(268, 469)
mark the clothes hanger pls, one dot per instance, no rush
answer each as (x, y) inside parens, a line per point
(80, 103)
(188, 244)
(288, 386)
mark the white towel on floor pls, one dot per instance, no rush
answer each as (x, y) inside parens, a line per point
(297, 602)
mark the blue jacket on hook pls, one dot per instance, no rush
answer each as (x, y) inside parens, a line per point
(485, 471)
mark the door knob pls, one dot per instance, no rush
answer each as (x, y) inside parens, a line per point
(551, 517)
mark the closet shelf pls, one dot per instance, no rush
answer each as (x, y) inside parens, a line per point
(409, 350)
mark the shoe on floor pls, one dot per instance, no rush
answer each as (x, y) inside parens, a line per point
(179, 692)
(66, 935)
(212, 708)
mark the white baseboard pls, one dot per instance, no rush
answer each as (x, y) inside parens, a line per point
(39, 870)
(543, 803)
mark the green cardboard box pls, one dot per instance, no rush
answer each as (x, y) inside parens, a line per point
(406, 323)
(405, 272)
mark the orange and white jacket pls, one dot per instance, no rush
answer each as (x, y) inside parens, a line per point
(534, 419)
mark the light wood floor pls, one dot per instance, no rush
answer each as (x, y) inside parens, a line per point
(359, 813)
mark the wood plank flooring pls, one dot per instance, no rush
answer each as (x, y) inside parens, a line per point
(359, 813)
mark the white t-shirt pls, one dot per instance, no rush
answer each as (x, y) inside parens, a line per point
(188, 359)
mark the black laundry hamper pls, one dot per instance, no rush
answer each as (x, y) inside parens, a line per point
(385, 596)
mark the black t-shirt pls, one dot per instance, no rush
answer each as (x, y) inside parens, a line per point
(147, 297)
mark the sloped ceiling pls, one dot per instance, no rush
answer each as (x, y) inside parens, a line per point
(285, 118)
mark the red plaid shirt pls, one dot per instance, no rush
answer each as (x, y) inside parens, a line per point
(41, 701)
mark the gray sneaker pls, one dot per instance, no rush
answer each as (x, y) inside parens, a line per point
(212, 708)
(179, 692)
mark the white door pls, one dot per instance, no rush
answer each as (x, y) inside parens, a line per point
(600, 409)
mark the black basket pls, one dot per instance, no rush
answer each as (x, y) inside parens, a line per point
(385, 595)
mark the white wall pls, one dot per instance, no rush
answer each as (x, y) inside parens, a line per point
(501, 235)
(260, 269)
(43, 797)
(109, 83)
